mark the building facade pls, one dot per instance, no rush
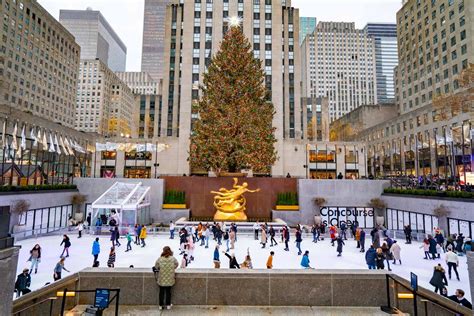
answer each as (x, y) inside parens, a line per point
(39, 60)
(193, 33)
(96, 37)
(386, 58)
(340, 64)
(140, 82)
(431, 135)
(105, 104)
(154, 37)
(307, 26)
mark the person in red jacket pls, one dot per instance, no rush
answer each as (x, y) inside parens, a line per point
(332, 233)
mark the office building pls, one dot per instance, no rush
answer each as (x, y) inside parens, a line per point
(96, 37)
(307, 26)
(386, 58)
(39, 60)
(105, 104)
(339, 61)
(147, 101)
(154, 38)
(193, 33)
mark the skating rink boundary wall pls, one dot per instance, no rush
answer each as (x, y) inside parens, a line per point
(350, 288)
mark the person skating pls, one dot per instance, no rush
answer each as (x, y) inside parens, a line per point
(166, 265)
(171, 230)
(407, 230)
(357, 237)
(343, 230)
(184, 260)
(232, 238)
(143, 234)
(117, 237)
(305, 260)
(263, 237)
(438, 280)
(80, 228)
(387, 255)
(362, 240)
(298, 240)
(370, 258)
(233, 264)
(440, 241)
(460, 299)
(207, 235)
(395, 250)
(138, 230)
(67, 243)
(129, 241)
(256, 228)
(459, 244)
(111, 260)
(22, 283)
(95, 250)
(89, 220)
(272, 237)
(247, 264)
(340, 244)
(315, 232)
(286, 237)
(218, 234)
(332, 234)
(270, 260)
(216, 259)
(426, 248)
(432, 247)
(191, 245)
(59, 268)
(452, 261)
(35, 258)
(226, 240)
(379, 259)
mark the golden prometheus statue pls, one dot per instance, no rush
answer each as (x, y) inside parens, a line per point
(230, 204)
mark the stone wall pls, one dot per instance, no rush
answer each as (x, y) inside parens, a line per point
(342, 193)
(8, 263)
(36, 200)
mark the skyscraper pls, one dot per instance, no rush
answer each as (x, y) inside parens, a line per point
(386, 58)
(154, 37)
(339, 63)
(96, 37)
(307, 26)
(193, 33)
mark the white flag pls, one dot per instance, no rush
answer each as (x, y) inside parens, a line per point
(56, 143)
(61, 142)
(51, 144)
(33, 137)
(14, 145)
(23, 138)
(44, 142)
(68, 145)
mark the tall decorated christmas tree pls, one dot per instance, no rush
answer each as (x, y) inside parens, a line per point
(234, 129)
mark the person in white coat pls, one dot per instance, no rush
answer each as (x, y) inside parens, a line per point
(395, 251)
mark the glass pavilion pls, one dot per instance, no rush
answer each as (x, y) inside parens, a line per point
(130, 201)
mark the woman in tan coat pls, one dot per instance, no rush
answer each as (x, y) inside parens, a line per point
(263, 239)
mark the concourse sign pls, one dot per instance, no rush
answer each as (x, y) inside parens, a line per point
(414, 281)
(102, 298)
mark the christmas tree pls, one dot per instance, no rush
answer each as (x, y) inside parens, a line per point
(234, 129)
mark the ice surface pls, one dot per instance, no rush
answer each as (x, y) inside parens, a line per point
(322, 256)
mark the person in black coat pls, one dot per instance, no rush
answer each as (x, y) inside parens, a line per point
(23, 282)
(67, 243)
(459, 243)
(340, 244)
(433, 251)
(233, 264)
(460, 299)
(362, 240)
(438, 280)
(379, 259)
(407, 231)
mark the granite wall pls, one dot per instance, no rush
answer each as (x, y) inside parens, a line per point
(8, 263)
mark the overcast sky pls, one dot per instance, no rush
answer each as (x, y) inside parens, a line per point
(126, 16)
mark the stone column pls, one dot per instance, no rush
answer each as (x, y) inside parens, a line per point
(470, 269)
(8, 264)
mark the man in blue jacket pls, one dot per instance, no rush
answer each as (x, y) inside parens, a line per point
(370, 257)
(95, 251)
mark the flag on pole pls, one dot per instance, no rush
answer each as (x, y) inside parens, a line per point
(56, 143)
(51, 144)
(33, 136)
(4, 134)
(14, 144)
(61, 142)
(23, 138)
(44, 143)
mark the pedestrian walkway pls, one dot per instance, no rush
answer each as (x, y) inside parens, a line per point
(239, 311)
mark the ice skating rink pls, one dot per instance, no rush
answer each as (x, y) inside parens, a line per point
(322, 256)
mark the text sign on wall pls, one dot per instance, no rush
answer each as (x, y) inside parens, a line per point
(102, 297)
(364, 216)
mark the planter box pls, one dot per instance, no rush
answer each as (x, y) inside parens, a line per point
(174, 206)
(287, 208)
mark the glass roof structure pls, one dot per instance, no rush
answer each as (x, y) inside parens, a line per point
(125, 196)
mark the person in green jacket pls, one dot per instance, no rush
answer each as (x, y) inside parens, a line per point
(129, 242)
(166, 265)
